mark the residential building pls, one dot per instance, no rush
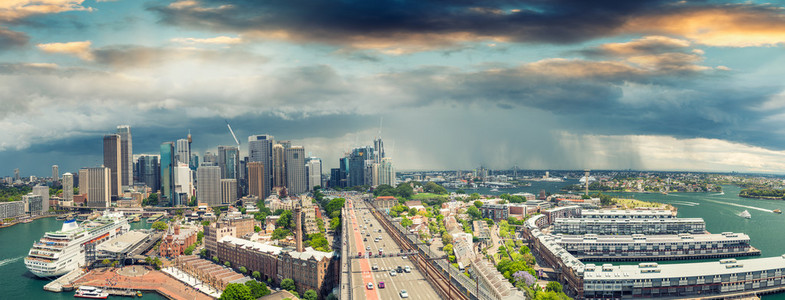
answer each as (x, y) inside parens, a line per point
(98, 183)
(43, 192)
(495, 212)
(256, 175)
(387, 172)
(313, 169)
(33, 204)
(11, 209)
(68, 188)
(183, 184)
(630, 226)
(55, 173)
(228, 191)
(208, 185)
(279, 166)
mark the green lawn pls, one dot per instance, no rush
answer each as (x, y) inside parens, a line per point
(422, 196)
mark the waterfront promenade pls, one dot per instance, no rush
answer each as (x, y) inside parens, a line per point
(141, 278)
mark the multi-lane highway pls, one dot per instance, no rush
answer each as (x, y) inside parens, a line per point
(374, 268)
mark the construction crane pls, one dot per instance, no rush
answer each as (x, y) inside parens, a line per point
(234, 136)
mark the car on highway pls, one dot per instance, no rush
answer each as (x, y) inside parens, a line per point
(404, 294)
(399, 269)
(359, 254)
(375, 267)
(365, 239)
(407, 269)
(381, 284)
(393, 273)
(370, 285)
(367, 248)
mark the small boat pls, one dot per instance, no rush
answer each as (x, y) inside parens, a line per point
(777, 211)
(494, 190)
(745, 214)
(90, 293)
(27, 220)
(139, 294)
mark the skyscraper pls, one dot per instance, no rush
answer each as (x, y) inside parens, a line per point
(279, 166)
(33, 204)
(295, 170)
(68, 188)
(127, 156)
(55, 173)
(183, 151)
(228, 191)
(17, 177)
(357, 165)
(260, 149)
(167, 164)
(229, 162)
(378, 145)
(210, 159)
(313, 167)
(387, 172)
(84, 180)
(113, 160)
(183, 184)
(99, 189)
(256, 184)
(149, 171)
(208, 185)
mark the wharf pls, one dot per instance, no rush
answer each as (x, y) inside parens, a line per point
(63, 283)
(606, 258)
(138, 278)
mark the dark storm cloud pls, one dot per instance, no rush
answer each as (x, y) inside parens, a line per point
(565, 21)
(409, 26)
(12, 39)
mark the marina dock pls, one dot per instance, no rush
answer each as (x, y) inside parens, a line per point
(63, 283)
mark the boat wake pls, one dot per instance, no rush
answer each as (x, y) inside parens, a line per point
(9, 260)
(745, 206)
(686, 203)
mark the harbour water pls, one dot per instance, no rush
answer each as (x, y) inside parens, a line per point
(17, 282)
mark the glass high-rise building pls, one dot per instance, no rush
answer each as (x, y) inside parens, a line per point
(113, 160)
(295, 170)
(167, 165)
(260, 149)
(229, 162)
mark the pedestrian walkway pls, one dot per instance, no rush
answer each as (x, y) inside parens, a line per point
(192, 281)
(151, 281)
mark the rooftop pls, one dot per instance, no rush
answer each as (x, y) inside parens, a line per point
(654, 270)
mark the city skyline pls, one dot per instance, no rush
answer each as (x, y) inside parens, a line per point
(654, 85)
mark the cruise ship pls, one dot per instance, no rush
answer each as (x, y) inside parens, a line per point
(59, 252)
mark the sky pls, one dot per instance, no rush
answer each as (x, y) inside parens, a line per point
(559, 84)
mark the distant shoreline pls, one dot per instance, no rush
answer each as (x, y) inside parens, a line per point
(34, 218)
(760, 197)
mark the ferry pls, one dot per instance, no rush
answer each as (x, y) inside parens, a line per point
(745, 214)
(90, 293)
(59, 252)
(777, 211)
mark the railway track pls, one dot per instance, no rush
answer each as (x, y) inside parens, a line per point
(437, 279)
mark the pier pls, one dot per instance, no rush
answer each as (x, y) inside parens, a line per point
(63, 283)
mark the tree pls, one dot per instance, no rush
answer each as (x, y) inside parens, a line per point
(256, 275)
(193, 202)
(288, 284)
(474, 196)
(553, 286)
(448, 249)
(335, 205)
(106, 262)
(285, 221)
(335, 223)
(151, 200)
(384, 190)
(237, 291)
(280, 233)
(256, 228)
(243, 270)
(159, 225)
(478, 204)
(310, 295)
(332, 297)
(432, 187)
(217, 211)
(318, 242)
(199, 237)
(258, 289)
(203, 252)
(446, 238)
(404, 190)
(228, 264)
(474, 212)
(406, 222)
(205, 223)
(215, 259)
(413, 212)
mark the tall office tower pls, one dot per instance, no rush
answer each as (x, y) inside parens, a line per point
(43, 192)
(371, 173)
(84, 176)
(229, 161)
(16, 175)
(183, 184)
(209, 159)
(194, 162)
(99, 187)
(343, 181)
(256, 184)
(208, 185)
(167, 165)
(260, 148)
(387, 172)
(378, 146)
(335, 177)
(55, 173)
(242, 181)
(127, 155)
(228, 191)
(113, 160)
(295, 170)
(285, 144)
(357, 165)
(149, 171)
(183, 151)
(279, 166)
(313, 168)
(68, 188)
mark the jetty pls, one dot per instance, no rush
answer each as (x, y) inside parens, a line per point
(63, 283)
